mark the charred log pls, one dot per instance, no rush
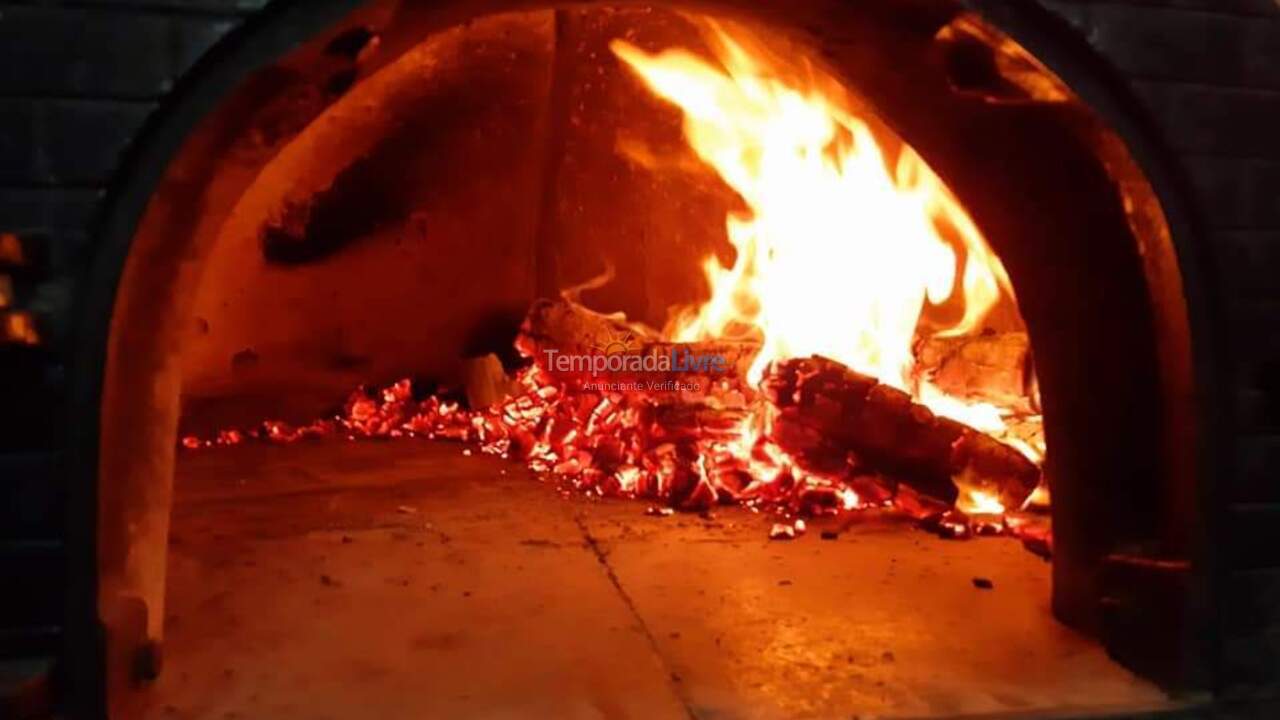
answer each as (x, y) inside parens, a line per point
(567, 328)
(826, 408)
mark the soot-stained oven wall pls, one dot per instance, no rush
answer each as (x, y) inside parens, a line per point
(82, 79)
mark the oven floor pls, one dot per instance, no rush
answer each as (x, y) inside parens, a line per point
(404, 580)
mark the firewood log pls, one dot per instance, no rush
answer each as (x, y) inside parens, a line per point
(568, 328)
(827, 408)
(993, 367)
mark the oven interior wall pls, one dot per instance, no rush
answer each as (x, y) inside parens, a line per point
(392, 237)
(412, 224)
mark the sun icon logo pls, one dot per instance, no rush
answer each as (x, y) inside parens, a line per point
(615, 344)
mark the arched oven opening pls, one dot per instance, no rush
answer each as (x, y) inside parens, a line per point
(651, 360)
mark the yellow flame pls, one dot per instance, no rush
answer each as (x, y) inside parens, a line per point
(978, 502)
(1033, 452)
(838, 253)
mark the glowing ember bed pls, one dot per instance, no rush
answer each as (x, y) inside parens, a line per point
(606, 362)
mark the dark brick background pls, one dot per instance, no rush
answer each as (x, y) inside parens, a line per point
(78, 79)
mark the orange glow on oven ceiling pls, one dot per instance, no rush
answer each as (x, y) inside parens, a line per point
(840, 252)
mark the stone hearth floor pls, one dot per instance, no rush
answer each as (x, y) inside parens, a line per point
(404, 580)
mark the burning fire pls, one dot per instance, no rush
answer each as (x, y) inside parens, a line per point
(848, 251)
(832, 231)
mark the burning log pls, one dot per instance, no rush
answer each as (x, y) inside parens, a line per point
(564, 327)
(992, 366)
(567, 327)
(827, 409)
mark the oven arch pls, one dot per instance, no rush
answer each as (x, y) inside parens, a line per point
(122, 396)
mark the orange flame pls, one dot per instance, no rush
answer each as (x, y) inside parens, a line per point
(839, 254)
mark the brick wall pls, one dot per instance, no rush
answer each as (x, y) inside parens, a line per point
(78, 79)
